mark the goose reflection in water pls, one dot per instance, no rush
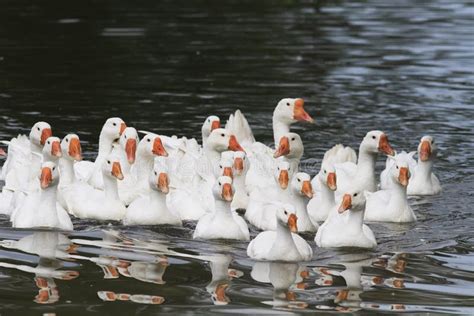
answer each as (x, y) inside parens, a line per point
(221, 278)
(285, 278)
(109, 296)
(50, 247)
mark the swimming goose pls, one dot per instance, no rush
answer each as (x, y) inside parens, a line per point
(282, 244)
(84, 201)
(364, 170)
(91, 171)
(385, 178)
(345, 226)
(240, 167)
(301, 192)
(43, 211)
(52, 149)
(391, 205)
(324, 199)
(221, 278)
(126, 149)
(223, 223)
(288, 111)
(71, 152)
(423, 180)
(211, 123)
(151, 209)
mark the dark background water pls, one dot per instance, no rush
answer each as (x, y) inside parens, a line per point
(404, 67)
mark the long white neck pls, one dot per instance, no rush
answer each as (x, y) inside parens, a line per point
(142, 168)
(424, 169)
(158, 198)
(220, 268)
(399, 193)
(223, 209)
(239, 182)
(355, 219)
(35, 148)
(48, 197)
(105, 147)
(279, 129)
(283, 240)
(66, 169)
(366, 168)
(110, 187)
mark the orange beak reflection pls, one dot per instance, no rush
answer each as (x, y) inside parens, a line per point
(403, 176)
(163, 182)
(292, 219)
(307, 189)
(384, 146)
(56, 149)
(238, 165)
(220, 293)
(331, 181)
(228, 172)
(299, 113)
(117, 170)
(131, 149)
(45, 134)
(283, 147)
(46, 177)
(283, 179)
(75, 150)
(227, 193)
(158, 148)
(215, 124)
(123, 126)
(425, 150)
(346, 203)
(234, 144)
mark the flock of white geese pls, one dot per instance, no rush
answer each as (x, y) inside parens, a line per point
(224, 183)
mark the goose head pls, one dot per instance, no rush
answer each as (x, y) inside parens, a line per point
(301, 183)
(286, 216)
(400, 171)
(327, 175)
(128, 141)
(49, 175)
(40, 132)
(71, 147)
(290, 146)
(223, 189)
(290, 111)
(353, 200)
(221, 140)
(211, 123)
(111, 167)
(151, 145)
(427, 148)
(282, 173)
(52, 148)
(375, 142)
(113, 128)
(241, 163)
(224, 168)
(159, 179)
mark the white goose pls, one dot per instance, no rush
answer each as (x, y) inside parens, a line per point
(223, 223)
(240, 167)
(211, 123)
(71, 152)
(385, 178)
(151, 209)
(324, 200)
(87, 202)
(301, 192)
(126, 149)
(423, 180)
(91, 171)
(43, 212)
(391, 205)
(52, 149)
(345, 226)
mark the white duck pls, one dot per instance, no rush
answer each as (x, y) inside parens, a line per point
(324, 200)
(240, 166)
(91, 171)
(423, 181)
(291, 148)
(43, 212)
(126, 149)
(151, 209)
(71, 152)
(301, 192)
(282, 244)
(52, 149)
(223, 223)
(221, 278)
(83, 201)
(345, 226)
(385, 178)
(211, 123)
(364, 170)
(391, 205)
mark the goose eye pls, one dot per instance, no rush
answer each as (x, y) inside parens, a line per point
(209, 121)
(220, 166)
(355, 194)
(289, 169)
(432, 142)
(38, 128)
(373, 137)
(54, 168)
(67, 140)
(148, 140)
(222, 135)
(325, 171)
(108, 161)
(220, 183)
(286, 213)
(293, 139)
(278, 168)
(288, 104)
(156, 173)
(397, 167)
(49, 142)
(114, 124)
(125, 136)
(299, 180)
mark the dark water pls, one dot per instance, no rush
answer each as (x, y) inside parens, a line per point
(406, 68)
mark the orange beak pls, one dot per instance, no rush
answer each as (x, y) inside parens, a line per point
(403, 176)
(45, 134)
(234, 144)
(75, 150)
(283, 147)
(163, 182)
(227, 194)
(283, 179)
(46, 177)
(292, 219)
(331, 181)
(425, 150)
(238, 165)
(158, 148)
(220, 293)
(228, 172)
(299, 113)
(215, 124)
(42, 297)
(384, 146)
(123, 126)
(117, 170)
(346, 203)
(307, 189)
(342, 295)
(131, 149)
(56, 149)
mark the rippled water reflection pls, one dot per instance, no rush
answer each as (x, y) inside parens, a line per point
(406, 68)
